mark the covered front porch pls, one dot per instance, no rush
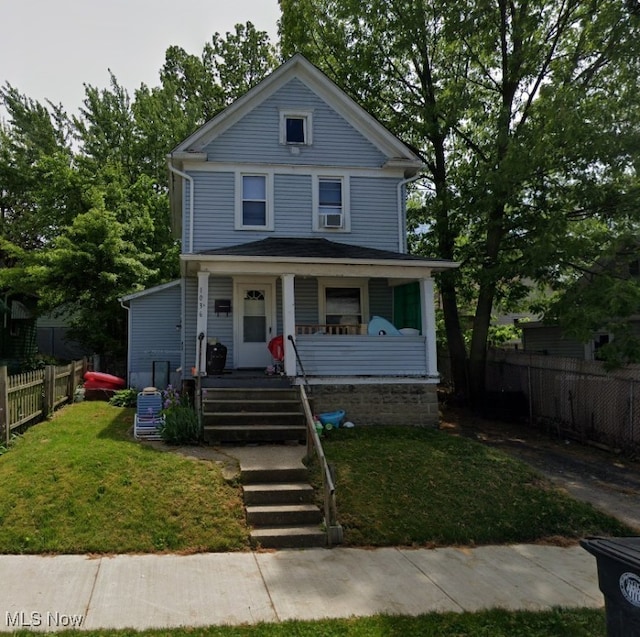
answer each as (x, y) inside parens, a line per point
(320, 297)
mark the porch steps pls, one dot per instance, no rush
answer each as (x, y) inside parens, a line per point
(280, 509)
(236, 414)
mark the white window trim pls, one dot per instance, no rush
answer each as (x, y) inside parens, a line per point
(269, 223)
(346, 197)
(307, 116)
(327, 282)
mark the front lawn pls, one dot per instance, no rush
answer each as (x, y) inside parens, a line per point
(406, 485)
(79, 484)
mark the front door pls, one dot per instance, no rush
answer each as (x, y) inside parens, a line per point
(255, 323)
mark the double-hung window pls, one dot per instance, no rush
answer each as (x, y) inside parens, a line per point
(343, 302)
(331, 203)
(253, 205)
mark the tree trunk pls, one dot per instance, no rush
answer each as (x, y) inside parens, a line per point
(447, 280)
(484, 306)
(478, 353)
(455, 339)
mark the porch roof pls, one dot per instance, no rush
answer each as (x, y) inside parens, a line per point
(311, 257)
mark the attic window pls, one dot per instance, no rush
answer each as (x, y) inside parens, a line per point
(295, 128)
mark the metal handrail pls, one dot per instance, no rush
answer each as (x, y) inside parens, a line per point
(328, 485)
(295, 349)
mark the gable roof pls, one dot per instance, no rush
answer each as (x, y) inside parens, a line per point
(299, 67)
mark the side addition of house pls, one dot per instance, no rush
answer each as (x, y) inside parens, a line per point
(291, 209)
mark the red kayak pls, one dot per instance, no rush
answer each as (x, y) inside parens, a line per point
(98, 380)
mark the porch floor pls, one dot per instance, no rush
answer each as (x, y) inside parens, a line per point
(245, 378)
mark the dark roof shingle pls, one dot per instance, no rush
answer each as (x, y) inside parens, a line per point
(292, 247)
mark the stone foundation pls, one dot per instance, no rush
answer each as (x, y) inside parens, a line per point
(410, 404)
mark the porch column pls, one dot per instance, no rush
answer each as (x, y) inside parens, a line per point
(201, 322)
(289, 323)
(429, 324)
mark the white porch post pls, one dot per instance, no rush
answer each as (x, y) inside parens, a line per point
(429, 324)
(201, 323)
(289, 323)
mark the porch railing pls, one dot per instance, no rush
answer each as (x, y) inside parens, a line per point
(324, 328)
(362, 355)
(314, 445)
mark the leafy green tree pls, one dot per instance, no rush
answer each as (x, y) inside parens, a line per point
(39, 192)
(87, 268)
(84, 212)
(525, 113)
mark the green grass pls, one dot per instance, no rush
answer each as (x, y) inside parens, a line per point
(79, 484)
(412, 486)
(493, 623)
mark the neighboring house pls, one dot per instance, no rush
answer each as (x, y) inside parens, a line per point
(54, 340)
(542, 337)
(539, 337)
(17, 330)
(291, 208)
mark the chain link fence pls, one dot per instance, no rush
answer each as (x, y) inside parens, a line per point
(574, 398)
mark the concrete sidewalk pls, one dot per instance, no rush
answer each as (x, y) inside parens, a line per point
(165, 591)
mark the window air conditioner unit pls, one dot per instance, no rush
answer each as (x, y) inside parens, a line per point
(331, 221)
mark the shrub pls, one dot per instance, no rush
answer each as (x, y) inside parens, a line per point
(181, 422)
(124, 398)
(180, 425)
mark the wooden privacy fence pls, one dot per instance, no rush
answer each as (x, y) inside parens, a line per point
(577, 399)
(30, 397)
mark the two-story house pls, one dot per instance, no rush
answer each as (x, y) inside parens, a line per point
(291, 209)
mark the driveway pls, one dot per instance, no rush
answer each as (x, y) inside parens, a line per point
(608, 481)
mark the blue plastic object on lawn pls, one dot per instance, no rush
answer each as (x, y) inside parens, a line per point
(332, 417)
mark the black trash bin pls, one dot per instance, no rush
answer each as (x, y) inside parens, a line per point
(619, 580)
(216, 358)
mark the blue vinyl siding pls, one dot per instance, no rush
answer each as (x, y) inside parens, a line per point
(306, 291)
(374, 213)
(219, 327)
(373, 202)
(214, 206)
(256, 137)
(154, 334)
(293, 205)
(380, 299)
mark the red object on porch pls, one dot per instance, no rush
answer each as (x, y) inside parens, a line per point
(276, 347)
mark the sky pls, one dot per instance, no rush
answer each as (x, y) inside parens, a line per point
(50, 48)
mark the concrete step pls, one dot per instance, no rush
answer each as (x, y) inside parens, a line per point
(250, 393)
(273, 475)
(288, 537)
(232, 405)
(283, 515)
(278, 493)
(253, 433)
(253, 418)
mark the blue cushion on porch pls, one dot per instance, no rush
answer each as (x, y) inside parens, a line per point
(379, 326)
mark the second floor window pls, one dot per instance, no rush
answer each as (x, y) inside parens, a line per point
(254, 200)
(330, 203)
